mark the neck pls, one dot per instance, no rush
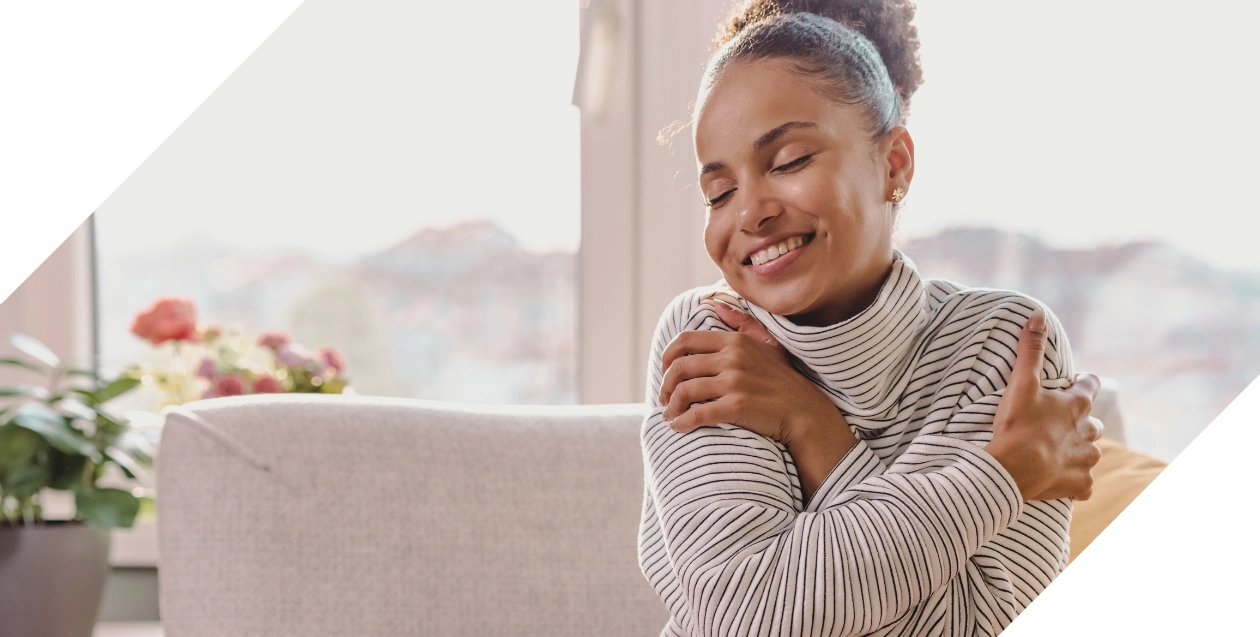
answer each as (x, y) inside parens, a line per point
(848, 303)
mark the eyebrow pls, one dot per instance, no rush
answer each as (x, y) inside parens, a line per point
(768, 138)
(762, 142)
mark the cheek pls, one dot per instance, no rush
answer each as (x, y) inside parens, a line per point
(717, 237)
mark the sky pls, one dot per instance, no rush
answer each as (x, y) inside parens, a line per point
(356, 124)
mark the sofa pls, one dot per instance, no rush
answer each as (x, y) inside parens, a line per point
(287, 515)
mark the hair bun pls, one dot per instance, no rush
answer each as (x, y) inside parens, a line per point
(886, 23)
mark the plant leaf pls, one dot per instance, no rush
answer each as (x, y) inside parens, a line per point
(17, 446)
(35, 349)
(113, 508)
(26, 481)
(90, 373)
(65, 469)
(137, 447)
(17, 362)
(110, 427)
(54, 428)
(88, 394)
(77, 409)
(32, 391)
(115, 389)
(129, 465)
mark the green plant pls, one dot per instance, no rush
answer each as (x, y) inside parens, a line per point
(60, 437)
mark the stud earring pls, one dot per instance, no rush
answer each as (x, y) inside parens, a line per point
(898, 194)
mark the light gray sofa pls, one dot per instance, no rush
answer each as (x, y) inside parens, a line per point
(288, 515)
(328, 515)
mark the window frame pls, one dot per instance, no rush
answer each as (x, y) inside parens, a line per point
(642, 218)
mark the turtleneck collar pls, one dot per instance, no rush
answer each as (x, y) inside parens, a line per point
(864, 362)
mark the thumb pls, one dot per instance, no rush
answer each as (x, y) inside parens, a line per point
(1029, 354)
(743, 322)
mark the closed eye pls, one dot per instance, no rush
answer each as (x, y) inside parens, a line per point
(717, 201)
(799, 162)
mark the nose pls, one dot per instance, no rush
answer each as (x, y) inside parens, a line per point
(759, 209)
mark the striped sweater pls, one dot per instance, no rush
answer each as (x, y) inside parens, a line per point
(917, 531)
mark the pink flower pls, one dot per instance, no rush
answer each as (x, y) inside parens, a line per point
(267, 385)
(273, 339)
(292, 355)
(168, 319)
(207, 369)
(230, 385)
(332, 358)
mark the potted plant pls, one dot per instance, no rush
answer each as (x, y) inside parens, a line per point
(57, 436)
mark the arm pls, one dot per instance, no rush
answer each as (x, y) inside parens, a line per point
(855, 484)
(748, 562)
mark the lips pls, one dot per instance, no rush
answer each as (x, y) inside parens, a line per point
(769, 250)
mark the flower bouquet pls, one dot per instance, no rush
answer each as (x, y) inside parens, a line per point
(213, 361)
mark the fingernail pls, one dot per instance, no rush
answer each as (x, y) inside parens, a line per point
(1037, 322)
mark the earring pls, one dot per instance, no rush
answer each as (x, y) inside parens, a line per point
(898, 194)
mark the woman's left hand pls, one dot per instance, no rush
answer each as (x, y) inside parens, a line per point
(743, 378)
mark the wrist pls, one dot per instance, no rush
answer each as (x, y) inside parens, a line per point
(1018, 465)
(806, 425)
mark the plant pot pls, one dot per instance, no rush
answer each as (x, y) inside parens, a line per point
(51, 579)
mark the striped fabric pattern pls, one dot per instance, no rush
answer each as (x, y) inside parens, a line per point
(917, 531)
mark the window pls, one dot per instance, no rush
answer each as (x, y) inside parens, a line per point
(1071, 159)
(391, 179)
(1065, 158)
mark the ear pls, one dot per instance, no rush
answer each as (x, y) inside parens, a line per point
(898, 160)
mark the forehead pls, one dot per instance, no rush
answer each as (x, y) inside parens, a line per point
(751, 98)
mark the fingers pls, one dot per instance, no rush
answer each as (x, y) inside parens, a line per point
(702, 415)
(1089, 383)
(686, 368)
(694, 342)
(1029, 354)
(742, 321)
(696, 390)
(1094, 430)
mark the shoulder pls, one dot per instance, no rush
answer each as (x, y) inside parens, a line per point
(688, 311)
(997, 317)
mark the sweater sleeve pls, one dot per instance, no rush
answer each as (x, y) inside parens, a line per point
(1013, 567)
(747, 562)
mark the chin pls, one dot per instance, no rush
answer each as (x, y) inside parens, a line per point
(784, 299)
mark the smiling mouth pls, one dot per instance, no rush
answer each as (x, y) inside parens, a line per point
(773, 252)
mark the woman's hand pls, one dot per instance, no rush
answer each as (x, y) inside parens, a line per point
(746, 378)
(1045, 437)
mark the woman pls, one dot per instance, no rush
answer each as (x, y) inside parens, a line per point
(837, 446)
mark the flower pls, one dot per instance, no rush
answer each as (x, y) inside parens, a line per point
(331, 358)
(207, 369)
(274, 339)
(230, 385)
(169, 319)
(292, 355)
(268, 385)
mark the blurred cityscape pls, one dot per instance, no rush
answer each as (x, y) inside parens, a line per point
(461, 314)
(466, 314)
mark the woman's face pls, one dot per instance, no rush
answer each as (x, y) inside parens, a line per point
(799, 220)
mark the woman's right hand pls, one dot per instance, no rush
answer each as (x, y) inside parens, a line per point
(1045, 437)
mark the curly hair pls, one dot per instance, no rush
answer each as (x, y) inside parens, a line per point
(865, 51)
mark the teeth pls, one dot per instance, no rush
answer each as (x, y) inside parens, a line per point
(776, 251)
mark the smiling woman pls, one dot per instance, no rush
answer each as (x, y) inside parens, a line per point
(838, 445)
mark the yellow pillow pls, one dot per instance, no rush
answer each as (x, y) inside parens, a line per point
(1119, 477)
